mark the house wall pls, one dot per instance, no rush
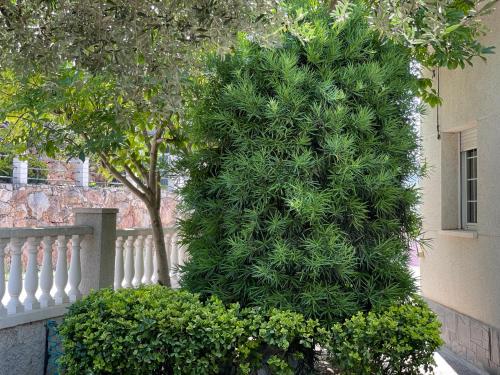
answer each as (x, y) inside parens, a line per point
(460, 272)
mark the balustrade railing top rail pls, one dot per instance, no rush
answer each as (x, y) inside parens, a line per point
(69, 230)
(141, 231)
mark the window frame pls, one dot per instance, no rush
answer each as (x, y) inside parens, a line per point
(464, 179)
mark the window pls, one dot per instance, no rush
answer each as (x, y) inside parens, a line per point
(468, 185)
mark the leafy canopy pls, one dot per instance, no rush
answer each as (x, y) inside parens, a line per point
(121, 61)
(101, 79)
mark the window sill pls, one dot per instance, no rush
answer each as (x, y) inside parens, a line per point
(461, 233)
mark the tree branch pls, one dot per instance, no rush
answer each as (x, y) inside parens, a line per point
(140, 167)
(123, 179)
(158, 190)
(153, 159)
(136, 179)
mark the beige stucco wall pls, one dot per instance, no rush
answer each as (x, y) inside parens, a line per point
(464, 273)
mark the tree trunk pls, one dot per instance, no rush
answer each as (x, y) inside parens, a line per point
(159, 242)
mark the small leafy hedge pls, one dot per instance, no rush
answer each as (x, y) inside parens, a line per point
(156, 330)
(398, 340)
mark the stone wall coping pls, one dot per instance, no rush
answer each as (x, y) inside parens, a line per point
(25, 232)
(13, 320)
(97, 210)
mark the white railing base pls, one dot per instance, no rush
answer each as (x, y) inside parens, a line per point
(33, 316)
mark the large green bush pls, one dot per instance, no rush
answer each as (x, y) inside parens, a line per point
(299, 193)
(155, 330)
(399, 340)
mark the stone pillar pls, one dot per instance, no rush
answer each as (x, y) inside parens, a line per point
(19, 171)
(98, 251)
(81, 172)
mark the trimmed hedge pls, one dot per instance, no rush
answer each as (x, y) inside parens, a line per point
(155, 330)
(398, 340)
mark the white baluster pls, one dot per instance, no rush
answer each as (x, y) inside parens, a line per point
(3, 244)
(129, 262)
(174, 273)
(75, 270)
(182, 255)
(31, 276)
(138, 261)
(15, 277)
(61, 271)
(118, 263)
(168, 250)
(175, 255)
(47, 276)
(154, 278)
(148, 260)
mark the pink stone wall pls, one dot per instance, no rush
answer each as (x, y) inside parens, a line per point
(47, 205)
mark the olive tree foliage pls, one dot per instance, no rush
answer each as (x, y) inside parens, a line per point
(102, 78)
(442, 33)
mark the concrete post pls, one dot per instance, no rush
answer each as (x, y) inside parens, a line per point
(82, 172)
(98, 251)
(19, 171)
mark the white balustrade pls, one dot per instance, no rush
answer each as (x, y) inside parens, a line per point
(47, 274)
(75, 270)
(174, 257)
(3, 245)
(148, 260)
(118, 277)
(31, 278)
(41, 288)
(154, 278)
(129, 262)
(61, 278)
(15, 276)
(138, 261)
(30, 290)
(168, 249)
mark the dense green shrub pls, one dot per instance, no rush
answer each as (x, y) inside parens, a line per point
(299, 193)
(155, 330)
(399, 340)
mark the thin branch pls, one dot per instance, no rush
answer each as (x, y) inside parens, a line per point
(146, 136)
(140, 167)
(153, 159)
(136, 179)
(158, 190)
(123, 179)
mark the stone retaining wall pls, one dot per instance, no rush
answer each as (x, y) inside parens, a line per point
(471, 339)
(23, 349)
(46, 205)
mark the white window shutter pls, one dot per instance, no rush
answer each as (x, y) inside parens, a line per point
(468, 139)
